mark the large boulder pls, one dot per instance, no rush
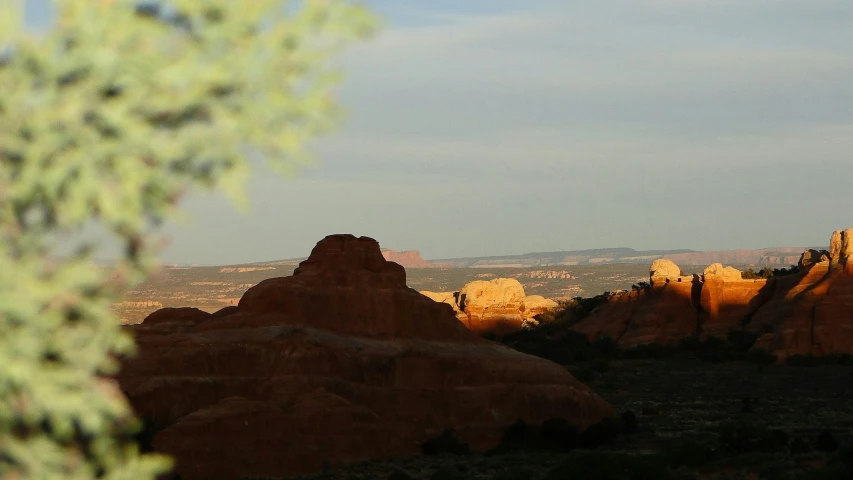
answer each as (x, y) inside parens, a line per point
(811, 257)
(662, 270)
(533, 305)
(496, 306)
(493, 306)
(840, 247)
(338, 363)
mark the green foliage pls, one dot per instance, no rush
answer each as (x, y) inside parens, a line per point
(107, 119)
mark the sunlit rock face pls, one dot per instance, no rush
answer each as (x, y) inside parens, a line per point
(808, 313)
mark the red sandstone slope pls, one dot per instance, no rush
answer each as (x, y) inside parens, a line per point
(339, 362)
(810, 313)
(410, 259)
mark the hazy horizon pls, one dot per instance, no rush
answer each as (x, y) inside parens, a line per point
(502, 127)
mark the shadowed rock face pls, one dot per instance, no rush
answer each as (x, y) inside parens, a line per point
(339, 362)
(809, 313)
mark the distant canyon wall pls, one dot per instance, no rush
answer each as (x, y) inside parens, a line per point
(410, 259)
(783, 256)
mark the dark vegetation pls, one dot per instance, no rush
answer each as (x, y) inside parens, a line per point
(767, 272)
(677, 419)
(555, 342)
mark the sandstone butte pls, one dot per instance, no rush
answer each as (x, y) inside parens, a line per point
(496, 306)
(410, 259)
(339, 362)
(808, 313)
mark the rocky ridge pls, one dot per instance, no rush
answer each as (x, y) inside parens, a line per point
(807, 313)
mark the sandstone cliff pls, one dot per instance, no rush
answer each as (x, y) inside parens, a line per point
(337, 363)
(808, 313)
(495, 306)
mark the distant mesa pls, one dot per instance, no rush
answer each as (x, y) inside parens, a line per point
(605, 256)
(496, 306)
(339, 362)
(806, 313)
(410, 259)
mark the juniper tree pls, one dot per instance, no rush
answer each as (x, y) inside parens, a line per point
(108, 118)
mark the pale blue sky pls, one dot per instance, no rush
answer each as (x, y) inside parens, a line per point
(489, 127)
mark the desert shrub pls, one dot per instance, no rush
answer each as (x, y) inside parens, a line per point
(813, 361)
(651, 351)
(399, 475)
(767, 272)
(781, 272)
(628, 422)
(692, 454)
(601, 433)
(799, 446)
(746, 437)
(803, 361)
(690, 343)
(826, 442)
(585, 465)
(578, 308)
(606, 347)
(516, 472)
(759, 356)
(557, 434)
(652, 410)
(741, 340)
(519, 433)
(106, 120)
(749, 464)
(750, 274)
(447, 442)
(447, 473)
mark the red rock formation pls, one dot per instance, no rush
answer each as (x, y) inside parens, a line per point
(410, 259)
(337, 363)
(809, 313)
(726, 299)
(662, 313)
